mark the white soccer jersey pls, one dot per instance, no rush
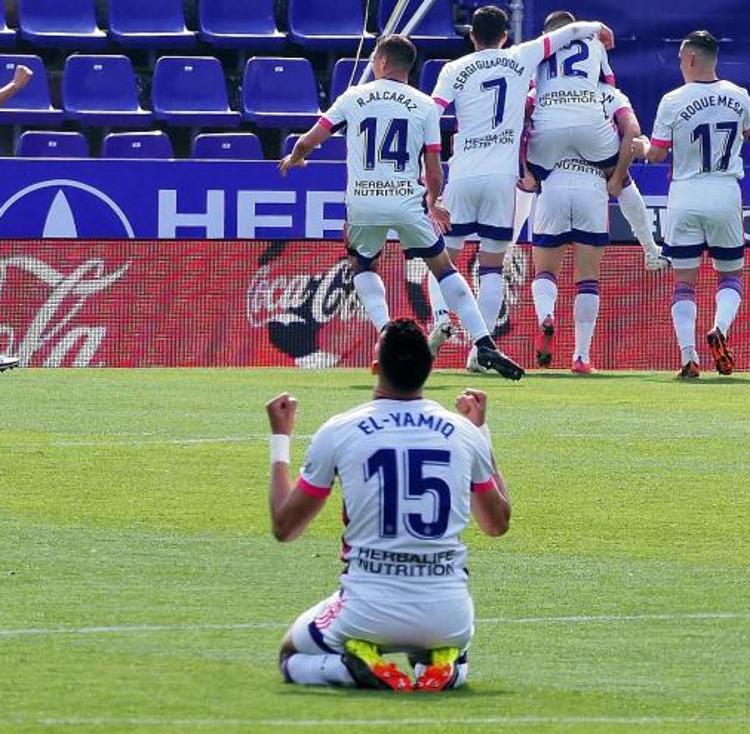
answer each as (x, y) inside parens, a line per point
(388, 125)
(407, 469)
(567, 85)
(703, 123)
(613, 100)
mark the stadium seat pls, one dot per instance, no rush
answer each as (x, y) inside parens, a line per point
(101, 90)
(241, 24)
(428, 76)
(38, 144)
(435, 33)
(625, 19)
(278, 92)
(334, 149)
(60, 23)
(145, 23)
(322, 25)
(342, 74)
(153, 144)
(191, 91)
(7, 35)
(231, 146)
(30, 106)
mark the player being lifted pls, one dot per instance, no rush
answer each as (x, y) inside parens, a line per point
(703, 122)
(390, 127)
(488, 88)
(412, 473)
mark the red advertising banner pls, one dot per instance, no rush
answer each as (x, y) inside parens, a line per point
(292, 303)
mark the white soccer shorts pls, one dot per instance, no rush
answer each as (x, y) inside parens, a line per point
(571, 214)
(597, 143)
(705, 215)
(482, 205)
(419, 238)
(395, 626)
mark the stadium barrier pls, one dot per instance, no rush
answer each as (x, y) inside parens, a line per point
(291, 303)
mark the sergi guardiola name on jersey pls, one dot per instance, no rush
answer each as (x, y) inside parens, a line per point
(372, 425)
(480, 64)
(386, 96)
(711, 100)
(388, 563)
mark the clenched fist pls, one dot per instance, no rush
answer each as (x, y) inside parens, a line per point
(281, 412)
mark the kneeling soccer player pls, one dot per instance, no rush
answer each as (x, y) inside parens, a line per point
(572, 208)
(411, 474)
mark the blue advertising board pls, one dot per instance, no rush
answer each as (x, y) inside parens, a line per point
(130, 199)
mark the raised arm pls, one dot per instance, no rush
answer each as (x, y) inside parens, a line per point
(293, 507)
(544, 46)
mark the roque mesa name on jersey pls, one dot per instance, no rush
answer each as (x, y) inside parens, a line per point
(711, 100)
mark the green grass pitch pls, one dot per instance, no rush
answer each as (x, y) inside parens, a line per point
(141, 590)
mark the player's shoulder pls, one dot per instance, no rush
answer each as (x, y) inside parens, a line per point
(737, 89)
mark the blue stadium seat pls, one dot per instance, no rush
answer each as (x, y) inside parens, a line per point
(145, 23)
(60, 23)
(191, 91)
(38, 144)
(30, 106)
(342, 73)
(435, 33)
(627, 20)
(7, 35)
(322, 25)
(428, 76)
(279, 92)
(334, 149)
(101, 90)
(241, 24)
(152, 144)
(228, 146)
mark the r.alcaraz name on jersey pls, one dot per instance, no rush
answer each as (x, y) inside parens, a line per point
(407, 470)
(704, 123)
(388, 125)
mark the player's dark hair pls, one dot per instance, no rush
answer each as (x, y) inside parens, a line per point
(404, 356)
(489, 24)
(399, 51)
(703, 42)
(558, 19)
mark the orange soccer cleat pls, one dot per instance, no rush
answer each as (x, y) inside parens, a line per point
(370, 670)
(720, 351)
(582, 368)
(441, 672)
(689, 371)
(545, 342)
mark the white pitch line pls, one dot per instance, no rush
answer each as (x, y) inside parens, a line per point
(576, 619)
(378, 723)
(115, 441)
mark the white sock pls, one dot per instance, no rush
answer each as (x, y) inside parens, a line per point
(317, 670)
(490, 295)
(544, 292)
(684, 312)
(440, 313)
(633, 208)
(460, 300)
(371, 291)
(585, 312)
(728, 299)
(524, 202)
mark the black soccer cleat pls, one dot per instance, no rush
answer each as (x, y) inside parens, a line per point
(494, 359)
(8, 363)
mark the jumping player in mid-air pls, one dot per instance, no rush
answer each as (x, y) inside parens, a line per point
(412, 474)
(703, 123)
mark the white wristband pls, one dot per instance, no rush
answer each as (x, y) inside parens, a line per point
(484, 428)
(279, 445)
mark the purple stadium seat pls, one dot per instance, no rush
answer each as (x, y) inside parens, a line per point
(228, 146)
(139, 23)
(334, 149)
(428, 76)
(38, 144)
(65, 23)
(241, 24)
(30, 106)
(322, 25)
(342, 73)
(435, 34)
(7, 35)
(101, 90)
(153, 144)
(191, 91)
(280, 92)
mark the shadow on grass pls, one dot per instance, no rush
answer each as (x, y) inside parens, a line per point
(359, 694)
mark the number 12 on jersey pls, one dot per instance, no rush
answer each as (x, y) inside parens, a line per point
(384, 464)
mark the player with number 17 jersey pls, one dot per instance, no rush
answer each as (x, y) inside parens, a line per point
(388, 124)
